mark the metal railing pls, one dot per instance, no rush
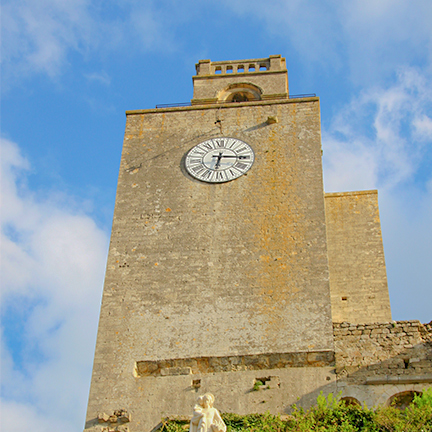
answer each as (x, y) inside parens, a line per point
(301, 96)
(174, 105)
(187, 104)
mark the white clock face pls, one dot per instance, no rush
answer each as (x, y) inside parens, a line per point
(219, 160)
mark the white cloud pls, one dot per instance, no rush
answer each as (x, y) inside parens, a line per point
(53, 261)
(312, 28)
(23, 417)
(101, 77)
(369, 37)
(423, 127)
(147, 25)
(40, 35)
(383, 134)
(37, 34)
(383, 34)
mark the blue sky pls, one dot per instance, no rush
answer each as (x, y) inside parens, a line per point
(71, 69)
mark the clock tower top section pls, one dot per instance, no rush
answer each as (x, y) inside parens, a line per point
(240, 80)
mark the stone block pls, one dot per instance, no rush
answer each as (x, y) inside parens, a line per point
(103, 417)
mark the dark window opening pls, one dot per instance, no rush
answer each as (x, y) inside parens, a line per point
(403, 399)
(240, 97)
(348, 400)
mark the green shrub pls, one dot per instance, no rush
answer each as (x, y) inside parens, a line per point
(418, 415)
(331, 415)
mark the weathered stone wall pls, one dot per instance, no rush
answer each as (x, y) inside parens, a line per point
(220, 269)
(398, 348)
(358, 279)
(232, 272)
(376, 361)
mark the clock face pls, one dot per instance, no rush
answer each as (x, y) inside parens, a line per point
(219, 160)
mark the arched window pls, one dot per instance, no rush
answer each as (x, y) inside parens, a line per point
(403, 399)
(241, 92)
(349, 400)
(240, 97)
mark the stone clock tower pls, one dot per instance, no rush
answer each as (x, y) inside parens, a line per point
(218, 270)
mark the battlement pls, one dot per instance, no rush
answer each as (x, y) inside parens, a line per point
(240, 80)
(263, 65)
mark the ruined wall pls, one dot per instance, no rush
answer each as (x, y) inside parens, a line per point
(376, 361)
(358, 279)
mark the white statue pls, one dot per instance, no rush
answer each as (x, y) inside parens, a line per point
(205, 417)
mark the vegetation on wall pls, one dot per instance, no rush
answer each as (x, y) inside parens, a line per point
(332, 415)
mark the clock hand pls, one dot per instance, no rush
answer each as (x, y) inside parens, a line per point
(218, 160)
(237, 157)
(231, 156)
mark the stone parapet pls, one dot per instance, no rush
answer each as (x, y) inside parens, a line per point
(274, 63)
(240, 80)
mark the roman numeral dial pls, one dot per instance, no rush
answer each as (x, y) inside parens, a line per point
(219, 160)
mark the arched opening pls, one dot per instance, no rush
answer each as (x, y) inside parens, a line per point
(242, 92)
(349, 400)
(403, 399)
(240, 97)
